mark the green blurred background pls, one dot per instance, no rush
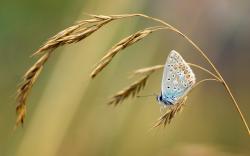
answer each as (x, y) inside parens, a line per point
(67, 112)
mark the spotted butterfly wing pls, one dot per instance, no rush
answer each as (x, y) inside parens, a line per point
(178, 79)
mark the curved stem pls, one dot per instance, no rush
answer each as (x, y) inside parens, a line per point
(237, 106)
(207, 59)
(201, 81)
(204, 80)
(205, 70)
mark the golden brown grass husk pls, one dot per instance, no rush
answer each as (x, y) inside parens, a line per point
(134, 88)
(28, 81)
(148, 70)
(75, 33)
(124, 43)
(130, 91)
(168, 116)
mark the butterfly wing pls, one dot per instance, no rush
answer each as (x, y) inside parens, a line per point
(178, 78)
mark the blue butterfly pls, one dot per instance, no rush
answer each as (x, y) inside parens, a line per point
(178, 79)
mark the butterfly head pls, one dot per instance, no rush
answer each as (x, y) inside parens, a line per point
(159, 98)
(163, 100)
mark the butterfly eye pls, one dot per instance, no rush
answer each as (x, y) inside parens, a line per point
(168, 87)
(168, 79)
(173, 76)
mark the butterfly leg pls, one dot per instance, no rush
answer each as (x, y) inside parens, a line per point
(162, 108)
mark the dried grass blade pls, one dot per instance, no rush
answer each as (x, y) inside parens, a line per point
(148, 70)
(124, 43)
(130, 91)
(74, 34)
(28, 81)
(167, 117)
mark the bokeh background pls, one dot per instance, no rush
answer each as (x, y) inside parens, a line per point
(67, 111)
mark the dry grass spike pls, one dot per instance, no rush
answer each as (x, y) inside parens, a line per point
(75, 33)
(167, 117)
(148, 70)
(28, 81)
(124, 43)
(131, 90)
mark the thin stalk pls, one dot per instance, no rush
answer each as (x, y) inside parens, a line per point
(204, 80)
(205, 70)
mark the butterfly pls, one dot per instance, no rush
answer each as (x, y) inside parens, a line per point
(178, 79)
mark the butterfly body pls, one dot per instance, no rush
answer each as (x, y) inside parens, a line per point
(178, 79)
